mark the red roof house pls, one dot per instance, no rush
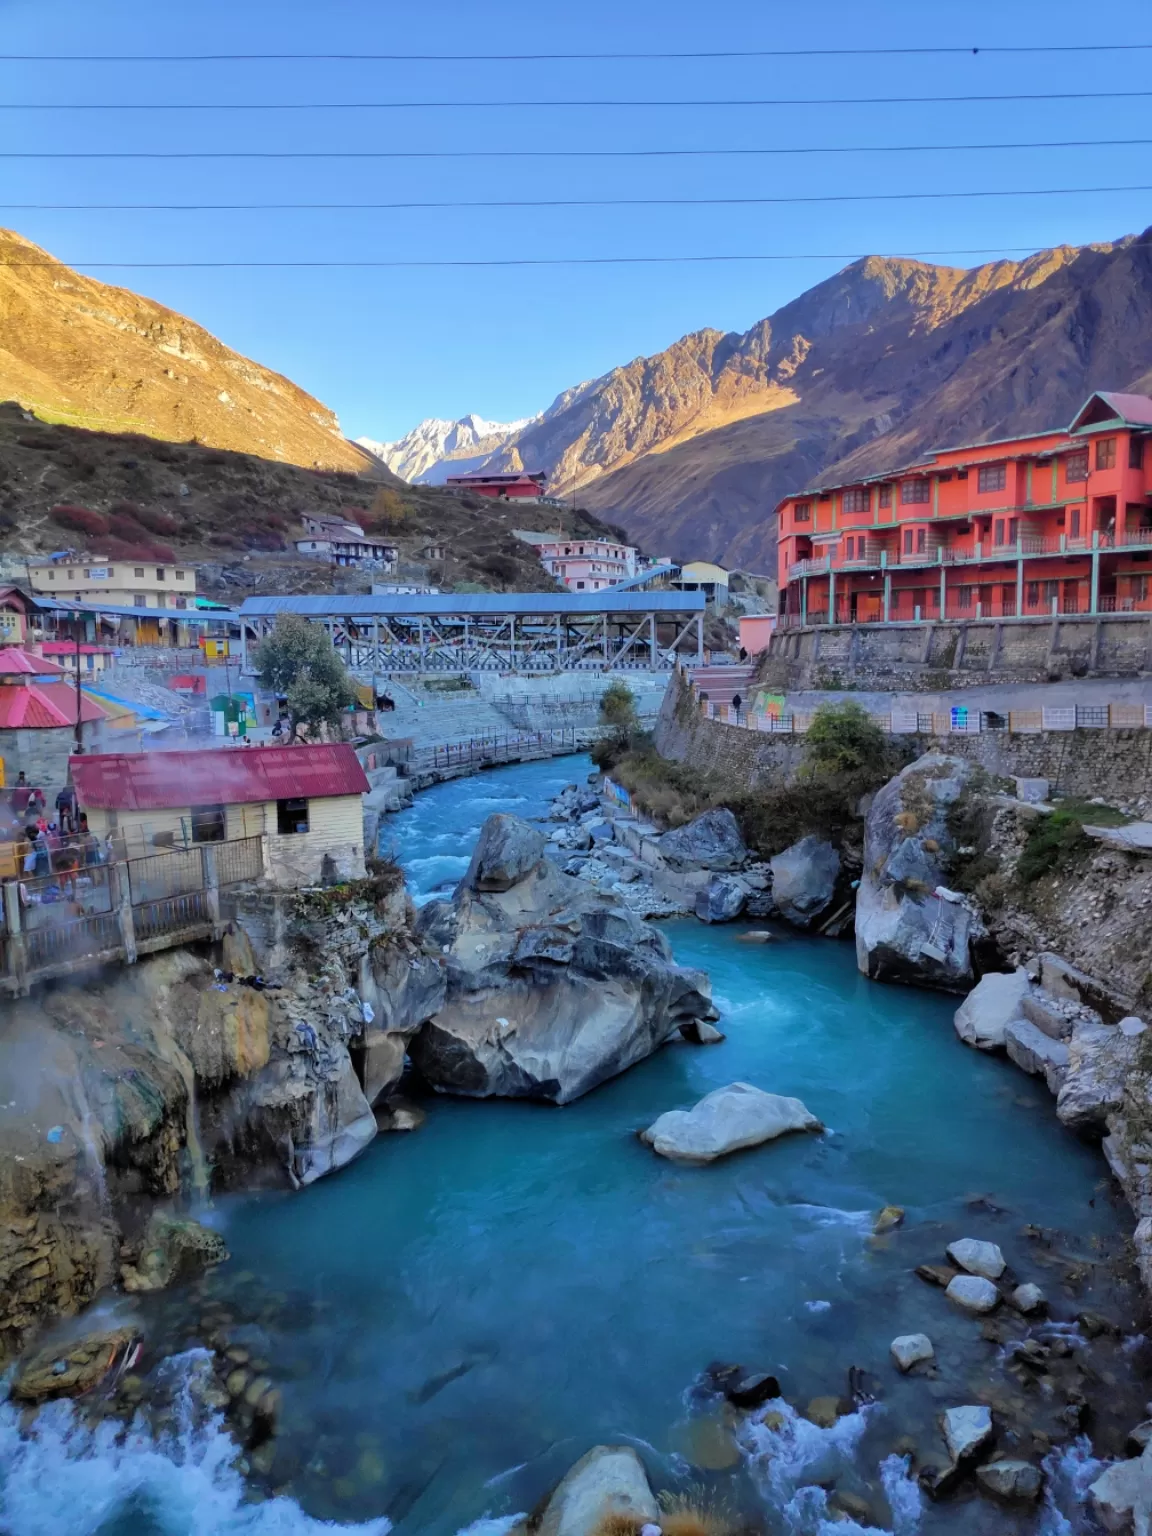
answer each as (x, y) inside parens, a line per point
(152, 781)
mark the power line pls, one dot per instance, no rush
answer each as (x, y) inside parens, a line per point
(500, 58)
(553, 154)
(518, 103)
(558, 202)
(517, 261)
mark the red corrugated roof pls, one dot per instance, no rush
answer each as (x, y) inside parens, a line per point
(68, 648)
(38, 705)
(16, 662)
(153, 781)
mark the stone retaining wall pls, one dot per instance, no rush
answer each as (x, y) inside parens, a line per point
(954, 654)
(1116, 765)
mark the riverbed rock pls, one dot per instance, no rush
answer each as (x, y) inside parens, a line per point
(698, 1032)
(1121, 1497)
(403, 989)
(977, 1258)
(994, 1003)
(68, 1368)
(966, 1430)
(888, 1219)
(1037, 1053)
(905, 931)
(722, 899)
(1028, 1298)
(1101, 1059)
(804, 880)
(609, 1480)
(173, 1247)
(727, 1120)
(551, 987)
(753, 1391)
(973, 1293)
(710, 841)
(1012, 1480)
(911, 1349)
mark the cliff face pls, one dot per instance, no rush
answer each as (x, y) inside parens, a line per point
(83, 352)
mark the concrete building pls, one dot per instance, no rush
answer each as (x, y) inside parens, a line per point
(1051, 523)
(38, 718)
(516, 486)
(304, 802)
(342, 542)
(703, 576)
(89, 660)
(583, 564)
(118, 583)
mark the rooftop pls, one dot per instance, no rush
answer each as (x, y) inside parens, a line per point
(15, 662)
(42, 705)
(153, 781)
(474, 604)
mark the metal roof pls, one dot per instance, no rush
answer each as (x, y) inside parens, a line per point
(152, 781)
(486, 604)
(182, 615)
(653, 573)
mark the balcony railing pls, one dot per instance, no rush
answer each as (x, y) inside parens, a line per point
(1024, 545)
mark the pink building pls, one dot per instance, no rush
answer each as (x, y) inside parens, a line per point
(587, 565)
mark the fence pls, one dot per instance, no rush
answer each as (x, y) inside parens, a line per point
(960, 719)
(481, 750)
(55, 923)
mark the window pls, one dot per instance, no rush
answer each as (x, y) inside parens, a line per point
(1135, 453)
(179, 575)
(1106, 453)
(856, 500)
(1051, 590)
(579, 585)
(991, 477)
(181, 602)
(803, 512)
(1076, 467)
(1033, 593)
(1140, 588)
(51, 575)
(140, 601)
(207, 823)
(964, 597)
(159, 573)
(921, 540)
(1075, 522)
(998, 535)
(71, 575)
(291, 817)
(914, 492)
(946, 476)
(885, 496)
(1013, 529)
(139, 571)
(908, 541)
(961, 474)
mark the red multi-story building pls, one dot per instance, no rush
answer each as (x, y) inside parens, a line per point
(1055, 522)
(514, 486)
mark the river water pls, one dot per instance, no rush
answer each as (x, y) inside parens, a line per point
(463, 1312)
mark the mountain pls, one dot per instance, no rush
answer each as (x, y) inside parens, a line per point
(84, 353)
(691, 449)
(436, 449)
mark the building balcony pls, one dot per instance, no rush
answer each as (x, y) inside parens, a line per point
(981, 552)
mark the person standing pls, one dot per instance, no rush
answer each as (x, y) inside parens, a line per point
(66, 809)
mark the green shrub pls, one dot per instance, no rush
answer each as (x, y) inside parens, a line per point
(844, 742)
(1059, 837)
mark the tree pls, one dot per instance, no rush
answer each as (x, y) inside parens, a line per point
(844, 742)
(298, 663)
(620, 725)
(388, 508)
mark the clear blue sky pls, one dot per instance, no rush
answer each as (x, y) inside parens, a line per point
(386, 348)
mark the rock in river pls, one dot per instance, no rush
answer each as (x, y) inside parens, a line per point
(973, 1293)
(804, 880)
(552, 988)
(905, 931)
(721, 900)
(966, 1430)
(609, 1481)
(977, 1258)
(725, 1121)
(1011, 1479)
(910, 1349)
(993, 1003)
(1122, 1496)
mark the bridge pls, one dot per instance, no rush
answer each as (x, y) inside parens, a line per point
(513, 632)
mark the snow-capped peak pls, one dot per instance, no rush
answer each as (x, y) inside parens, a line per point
(436, 449)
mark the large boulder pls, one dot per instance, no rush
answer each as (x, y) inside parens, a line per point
(994, 1003)
(609, 1481)
(505, 851)
(400, 990)
(1037, 1053)
(551, 988)
(909, 926)
(721, 900)
(1122, 1496)
(804, 880)
(725, 1121)
(1101, 1058)
(712, 841)
(172, 1248)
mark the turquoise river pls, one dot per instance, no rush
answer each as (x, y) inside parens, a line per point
(466, 1310)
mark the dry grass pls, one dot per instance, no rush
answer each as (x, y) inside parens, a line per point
(696, 1512)
(619, 1524)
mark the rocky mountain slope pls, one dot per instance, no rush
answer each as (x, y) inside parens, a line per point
(691, 449)
(81, 352)
(235, 515)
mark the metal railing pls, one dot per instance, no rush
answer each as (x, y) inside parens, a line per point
(238, 860)
(63, 943)
(160, 875)
(174, 914)
(961, 719)
(495, 749)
